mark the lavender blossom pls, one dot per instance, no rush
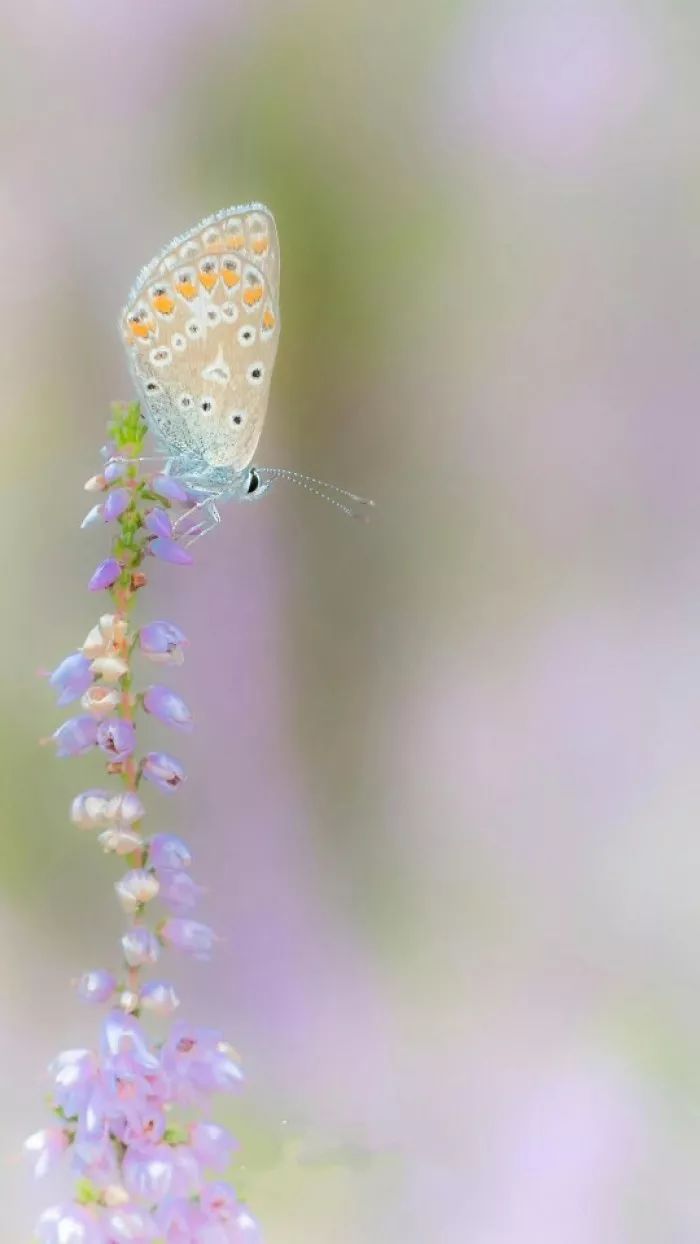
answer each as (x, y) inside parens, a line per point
(165, 704)
(188, 936)
(123, 1114)
(71, 678)
(168, 851)
(75, 737)
(105, 575)
(163, 770)
(169, 487)
(97, 986)
(163, 642)
(116, 737)
(170, 551)
(117, 502)
(158, 523)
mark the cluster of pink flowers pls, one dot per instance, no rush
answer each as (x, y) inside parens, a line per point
(130, 1116)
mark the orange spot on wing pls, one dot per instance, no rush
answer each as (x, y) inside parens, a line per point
(231, 277)
(209, 279)
(163, 303)
(268, 320)
(141, 329)
(252, 295)
(186, 289)
(236, 241)
(260, 245)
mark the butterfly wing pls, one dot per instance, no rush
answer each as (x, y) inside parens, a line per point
(201, 328)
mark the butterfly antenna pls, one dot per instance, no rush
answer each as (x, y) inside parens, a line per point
(348, 502)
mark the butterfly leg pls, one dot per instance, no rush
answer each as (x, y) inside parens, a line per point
(161, 460)
(196, 522)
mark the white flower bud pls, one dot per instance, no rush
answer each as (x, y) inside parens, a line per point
(111, 668)
(120, 840)
(100, 701)
(96, 483)
(136, 888)
(126, 808)
(89, 809)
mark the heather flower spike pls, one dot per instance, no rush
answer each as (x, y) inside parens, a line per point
(130, 1118)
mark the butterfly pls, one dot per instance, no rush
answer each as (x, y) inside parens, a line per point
(201, 328)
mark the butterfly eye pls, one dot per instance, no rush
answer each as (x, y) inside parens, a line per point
(207, 406)
(246, 335)
(255, 373)
(253, 482)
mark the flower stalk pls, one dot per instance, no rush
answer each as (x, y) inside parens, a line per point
(130, 1117)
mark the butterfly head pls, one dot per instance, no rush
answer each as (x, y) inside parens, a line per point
(253, 485)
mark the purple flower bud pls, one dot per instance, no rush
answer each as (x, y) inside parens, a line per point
(71, 678)
(163, 642)
(93, 516)
(178, 891)
(116, 737)
(117, 502)
(168, 851)
(127, 1225)
(122, 1035)
(158, 523)
(114, 471)
(76, 736)
(170, 551)
(148, 1174)
(45, 1148)
(189, 936)
(106, 574)
(169, 487)
(163, 770)
(212, 1145)
(168, 706)
(160, 998)
(140, 946)
(73, 1223)
(96, 986)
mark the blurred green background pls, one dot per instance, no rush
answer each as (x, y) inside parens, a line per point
(444, 786)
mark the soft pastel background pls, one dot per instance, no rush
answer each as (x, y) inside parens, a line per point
(445, 786)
